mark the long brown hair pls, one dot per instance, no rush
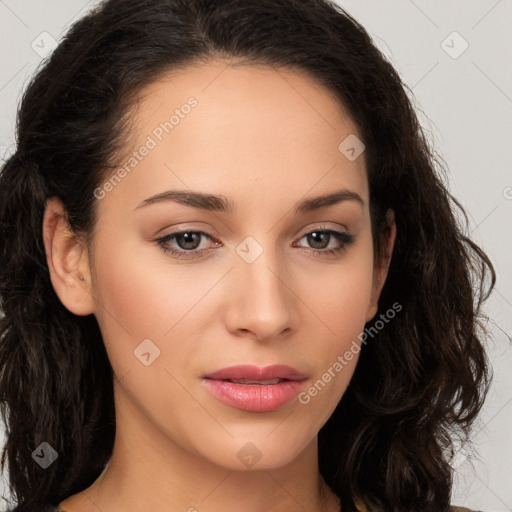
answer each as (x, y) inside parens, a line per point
(419, 381)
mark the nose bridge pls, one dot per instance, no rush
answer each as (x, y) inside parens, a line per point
(263, 303)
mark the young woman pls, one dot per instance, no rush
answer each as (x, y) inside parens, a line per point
(231, 275)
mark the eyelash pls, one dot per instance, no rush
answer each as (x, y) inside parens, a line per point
(345, 238)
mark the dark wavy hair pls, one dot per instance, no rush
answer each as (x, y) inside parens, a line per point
(419, 382)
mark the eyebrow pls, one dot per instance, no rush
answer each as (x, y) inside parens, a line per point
(212, 202)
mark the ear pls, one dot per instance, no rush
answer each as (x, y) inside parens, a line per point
(380, 272)
(68, 260)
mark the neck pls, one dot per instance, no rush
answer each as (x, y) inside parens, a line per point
(149, 471)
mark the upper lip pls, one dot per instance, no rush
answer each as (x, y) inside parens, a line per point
(252, 372)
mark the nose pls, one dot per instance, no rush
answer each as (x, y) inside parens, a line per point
(261, 304)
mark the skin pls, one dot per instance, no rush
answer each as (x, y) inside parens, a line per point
(264, 139)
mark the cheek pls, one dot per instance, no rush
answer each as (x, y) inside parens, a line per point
(136, 302)
(342, 292)
(140, 291)
(142, 295)
(341, 299)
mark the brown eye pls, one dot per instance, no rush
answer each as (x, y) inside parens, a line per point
(188, 240)
(319, 239)
(184, 243)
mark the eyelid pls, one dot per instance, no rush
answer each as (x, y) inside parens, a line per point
(185, 229)
(179, 228)
(324, 227)
(343, 236)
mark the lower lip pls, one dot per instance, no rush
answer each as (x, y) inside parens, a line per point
(254, 397)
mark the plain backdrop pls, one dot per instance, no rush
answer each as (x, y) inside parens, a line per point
(455, 56)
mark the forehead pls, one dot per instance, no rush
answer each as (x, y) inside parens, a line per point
(225, 128)
(235, 90)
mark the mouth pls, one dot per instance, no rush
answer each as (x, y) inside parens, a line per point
(248, 382)
(255, 374)
(255, 389)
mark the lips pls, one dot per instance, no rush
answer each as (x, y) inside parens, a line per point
(255, 389)
(256, 374)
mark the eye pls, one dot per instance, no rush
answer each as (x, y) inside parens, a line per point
(188, 242)
(321, 238)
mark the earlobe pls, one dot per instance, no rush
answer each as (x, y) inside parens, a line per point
(388, 237)
(67, 260)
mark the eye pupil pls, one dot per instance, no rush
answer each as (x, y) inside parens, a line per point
(318, 234)
(188, 238)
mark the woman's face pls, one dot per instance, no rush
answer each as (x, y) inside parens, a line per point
(270, 283)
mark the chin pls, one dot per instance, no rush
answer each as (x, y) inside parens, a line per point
(256, 453)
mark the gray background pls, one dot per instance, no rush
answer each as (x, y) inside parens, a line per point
(465, 103)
